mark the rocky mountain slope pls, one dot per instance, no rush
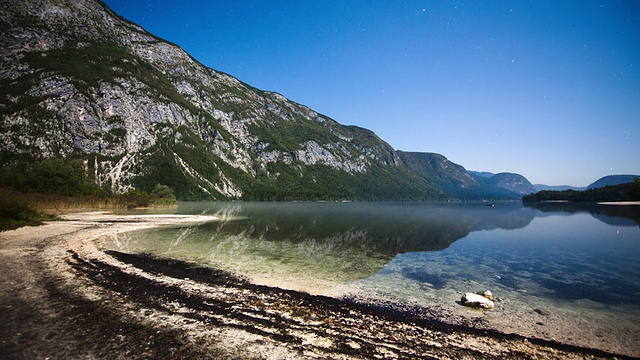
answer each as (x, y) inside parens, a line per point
(79, 82)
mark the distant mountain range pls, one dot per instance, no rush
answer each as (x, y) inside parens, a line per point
(541, 187)
(602, 182)
(627, 191)
(456, 180)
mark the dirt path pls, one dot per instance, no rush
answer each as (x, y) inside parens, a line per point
(64, 298)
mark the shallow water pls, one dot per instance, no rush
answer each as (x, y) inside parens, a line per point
(568, 260)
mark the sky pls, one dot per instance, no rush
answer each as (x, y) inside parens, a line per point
(547, 89)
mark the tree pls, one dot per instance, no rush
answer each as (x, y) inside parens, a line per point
(635, 189)
(164, 194)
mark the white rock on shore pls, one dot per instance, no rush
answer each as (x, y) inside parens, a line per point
(478, 301)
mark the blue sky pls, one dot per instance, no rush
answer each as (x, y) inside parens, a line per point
(547, 89)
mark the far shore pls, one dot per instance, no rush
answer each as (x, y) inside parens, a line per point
(65, 297)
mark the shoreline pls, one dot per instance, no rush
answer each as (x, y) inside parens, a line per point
(619, 203)
(64, 297)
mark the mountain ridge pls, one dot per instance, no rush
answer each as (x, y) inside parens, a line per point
(506, 181)
(80, 82)
(613, 180)
(601, 182)
(455, 178)
(540, 187)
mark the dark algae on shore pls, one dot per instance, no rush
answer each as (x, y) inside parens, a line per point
(292, 318)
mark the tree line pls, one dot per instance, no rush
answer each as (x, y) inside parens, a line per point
(622, 192)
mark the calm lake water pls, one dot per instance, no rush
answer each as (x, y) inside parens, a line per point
(554, 256)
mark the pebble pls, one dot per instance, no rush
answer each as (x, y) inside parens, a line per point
(487, 294)
(542, 312)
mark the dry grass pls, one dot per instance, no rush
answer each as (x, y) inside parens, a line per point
(21, 209)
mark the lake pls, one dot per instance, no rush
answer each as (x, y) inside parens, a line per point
(559, 271)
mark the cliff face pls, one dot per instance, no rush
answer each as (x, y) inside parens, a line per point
(79, 81)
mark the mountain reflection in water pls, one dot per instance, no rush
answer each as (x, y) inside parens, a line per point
(334, 241)
(386, 228)
(609, 214)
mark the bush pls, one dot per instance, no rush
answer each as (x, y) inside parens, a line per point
(15, 211)
(164, 194)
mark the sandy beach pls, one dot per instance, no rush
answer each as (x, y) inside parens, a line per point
(63, 296)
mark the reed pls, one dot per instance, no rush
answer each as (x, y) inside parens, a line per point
(23, 209)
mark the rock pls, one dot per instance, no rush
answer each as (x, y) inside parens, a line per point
(487, 294)
(475, 300)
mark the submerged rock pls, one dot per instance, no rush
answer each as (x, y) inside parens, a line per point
(475, 300)
(542, 312)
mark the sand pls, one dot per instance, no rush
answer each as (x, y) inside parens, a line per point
(65, 297)
(620, 203)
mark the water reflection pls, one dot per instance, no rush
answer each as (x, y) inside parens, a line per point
(386, 228)
(335, 241)
(551, 249)
(578, 263)
(609, 214)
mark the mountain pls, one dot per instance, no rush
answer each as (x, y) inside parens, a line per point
(453, 178)
(612, 180)
(602, 182)
(437, 169)
(79, 82)
(541, 187)
(482, 174)
(514, 183)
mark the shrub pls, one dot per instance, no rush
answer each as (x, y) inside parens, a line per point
(164, 194)
(15, 211)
